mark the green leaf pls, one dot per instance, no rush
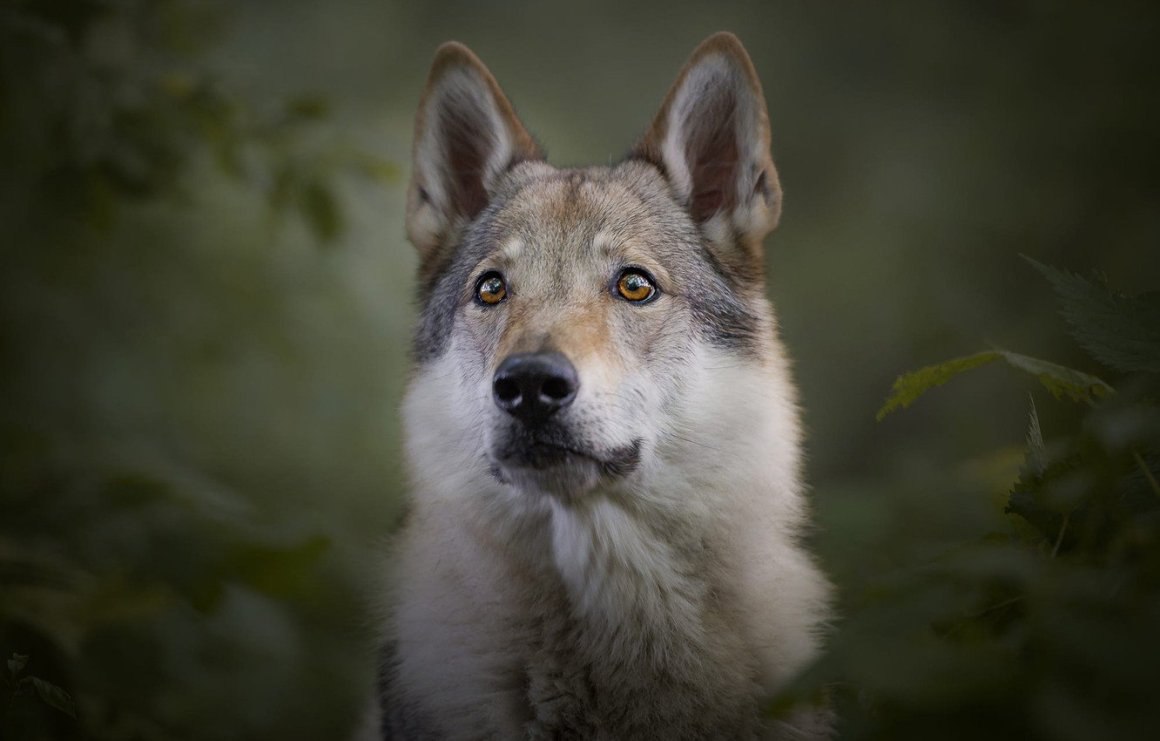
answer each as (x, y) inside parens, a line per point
(54, 696)
(1120, 331)
(1059, 380)
(280, 571)
(1045, 501)
(307, 108)
(1036, 451)
(909, 386)
(1147, 471)
(378, 169)
(17, 663)
(321, 211)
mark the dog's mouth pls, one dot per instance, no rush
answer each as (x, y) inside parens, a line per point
(540, 454)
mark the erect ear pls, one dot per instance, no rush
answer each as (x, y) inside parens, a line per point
(466, 135)
(711, 139)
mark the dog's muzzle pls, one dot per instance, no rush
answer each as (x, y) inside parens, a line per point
(533, 388)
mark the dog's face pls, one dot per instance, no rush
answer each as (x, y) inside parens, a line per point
(564, 310)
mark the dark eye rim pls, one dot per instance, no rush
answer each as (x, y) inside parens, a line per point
(479, 284)
(656, 289)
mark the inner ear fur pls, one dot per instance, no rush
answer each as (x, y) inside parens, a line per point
(466, 136)
(710, 138)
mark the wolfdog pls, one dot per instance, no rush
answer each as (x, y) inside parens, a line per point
(601, 430)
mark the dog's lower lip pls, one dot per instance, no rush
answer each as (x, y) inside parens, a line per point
(617, 462)
(623, 461)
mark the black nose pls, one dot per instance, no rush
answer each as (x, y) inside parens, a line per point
(533, 386)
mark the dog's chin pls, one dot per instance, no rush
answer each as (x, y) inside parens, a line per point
(561, 469)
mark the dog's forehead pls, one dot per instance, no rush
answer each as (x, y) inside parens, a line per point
(567, 210)
(584, 214)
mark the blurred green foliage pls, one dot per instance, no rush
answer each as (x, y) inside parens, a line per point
(167, 601)
(205, 300)
(102, 104)
(1044, 627)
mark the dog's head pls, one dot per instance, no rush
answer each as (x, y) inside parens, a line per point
(566, 311)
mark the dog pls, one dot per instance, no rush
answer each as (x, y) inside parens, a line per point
(601, 430)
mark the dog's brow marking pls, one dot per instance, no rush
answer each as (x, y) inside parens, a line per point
(512, 249)
(604, 244)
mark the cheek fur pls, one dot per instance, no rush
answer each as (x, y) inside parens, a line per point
(483, 333)
(658, 333)
(652, 353)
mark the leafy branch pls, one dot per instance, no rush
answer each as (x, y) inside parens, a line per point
(1059, 380)
(26, 684)
(1050, 612)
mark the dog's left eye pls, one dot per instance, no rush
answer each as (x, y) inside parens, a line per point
(635, 285)
(490, 289)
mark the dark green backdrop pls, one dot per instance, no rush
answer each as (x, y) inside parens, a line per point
(206, 298)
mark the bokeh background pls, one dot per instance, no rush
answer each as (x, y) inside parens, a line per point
(206, 299)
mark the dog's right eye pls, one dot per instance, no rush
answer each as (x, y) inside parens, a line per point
(490, 289)
(636, 286)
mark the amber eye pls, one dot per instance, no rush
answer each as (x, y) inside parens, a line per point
(491, 289)
(635, 285)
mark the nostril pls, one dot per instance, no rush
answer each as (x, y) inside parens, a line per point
(506, 390)
(556, 388)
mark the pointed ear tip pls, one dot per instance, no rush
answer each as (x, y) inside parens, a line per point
(725, 45)
(722, 42)
(452, 54)
(452, 48)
